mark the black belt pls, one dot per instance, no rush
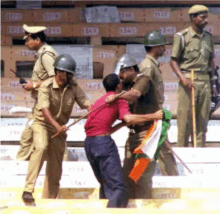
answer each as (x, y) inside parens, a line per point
(189, 70)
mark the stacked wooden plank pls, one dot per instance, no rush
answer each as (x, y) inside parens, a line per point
(71, 23)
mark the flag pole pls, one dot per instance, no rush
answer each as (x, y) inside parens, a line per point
(120, 125)
(174, 153)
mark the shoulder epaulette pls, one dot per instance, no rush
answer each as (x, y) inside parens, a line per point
(48, 50)
(139, 75)
(181, 33)
(143, 65)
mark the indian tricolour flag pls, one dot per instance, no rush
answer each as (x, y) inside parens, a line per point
(150, 146)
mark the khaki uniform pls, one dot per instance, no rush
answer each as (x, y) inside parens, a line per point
(43, 69)
(60, 104)
(193, 52)
(150, 67)
(148, 102)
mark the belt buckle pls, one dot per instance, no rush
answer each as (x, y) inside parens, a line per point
(189, 76)
(195, 76)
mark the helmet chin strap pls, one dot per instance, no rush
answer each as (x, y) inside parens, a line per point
(68, 79)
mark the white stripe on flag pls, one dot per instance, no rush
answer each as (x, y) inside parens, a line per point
(150, 146)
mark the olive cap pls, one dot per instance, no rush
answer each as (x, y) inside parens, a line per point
(198, 9)
(154, 38)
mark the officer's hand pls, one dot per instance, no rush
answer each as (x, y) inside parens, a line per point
(188, 83)
(111, 98)
(62, 129)
(214, 92)
(28, 86)
(159, 115)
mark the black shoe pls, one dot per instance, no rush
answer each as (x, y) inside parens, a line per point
(27, 197)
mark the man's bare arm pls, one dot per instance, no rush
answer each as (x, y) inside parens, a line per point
(29, 86)
(133, 119)
(131, 96)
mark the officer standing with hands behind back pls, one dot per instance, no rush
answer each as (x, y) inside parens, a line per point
(193, 48)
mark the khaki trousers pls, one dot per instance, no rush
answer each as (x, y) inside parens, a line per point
(54, 150)
(167, 161)
(202, 108)
(142, 189)
(26, 145)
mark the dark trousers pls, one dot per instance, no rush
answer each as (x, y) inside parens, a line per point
(103, 156)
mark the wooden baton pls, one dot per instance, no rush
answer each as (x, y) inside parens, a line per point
(193, 111)
(118, 95)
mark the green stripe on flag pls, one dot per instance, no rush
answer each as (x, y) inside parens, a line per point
(138, 156)
(165, 126)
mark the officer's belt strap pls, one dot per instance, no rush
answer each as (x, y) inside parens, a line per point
(189, 70)
(197, 76)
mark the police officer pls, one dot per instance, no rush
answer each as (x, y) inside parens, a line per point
(154, 43)
(56, 98)
(193, 48)
(43, 69)
(143, 98)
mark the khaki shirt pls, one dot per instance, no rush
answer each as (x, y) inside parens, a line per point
(60, 103)
(147, 102)
(150, 67)
(43, 67)
(193, 51)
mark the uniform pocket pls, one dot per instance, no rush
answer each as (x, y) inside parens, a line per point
(68, 104)
(193, 53)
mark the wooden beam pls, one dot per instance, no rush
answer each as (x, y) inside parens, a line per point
(95, 40)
